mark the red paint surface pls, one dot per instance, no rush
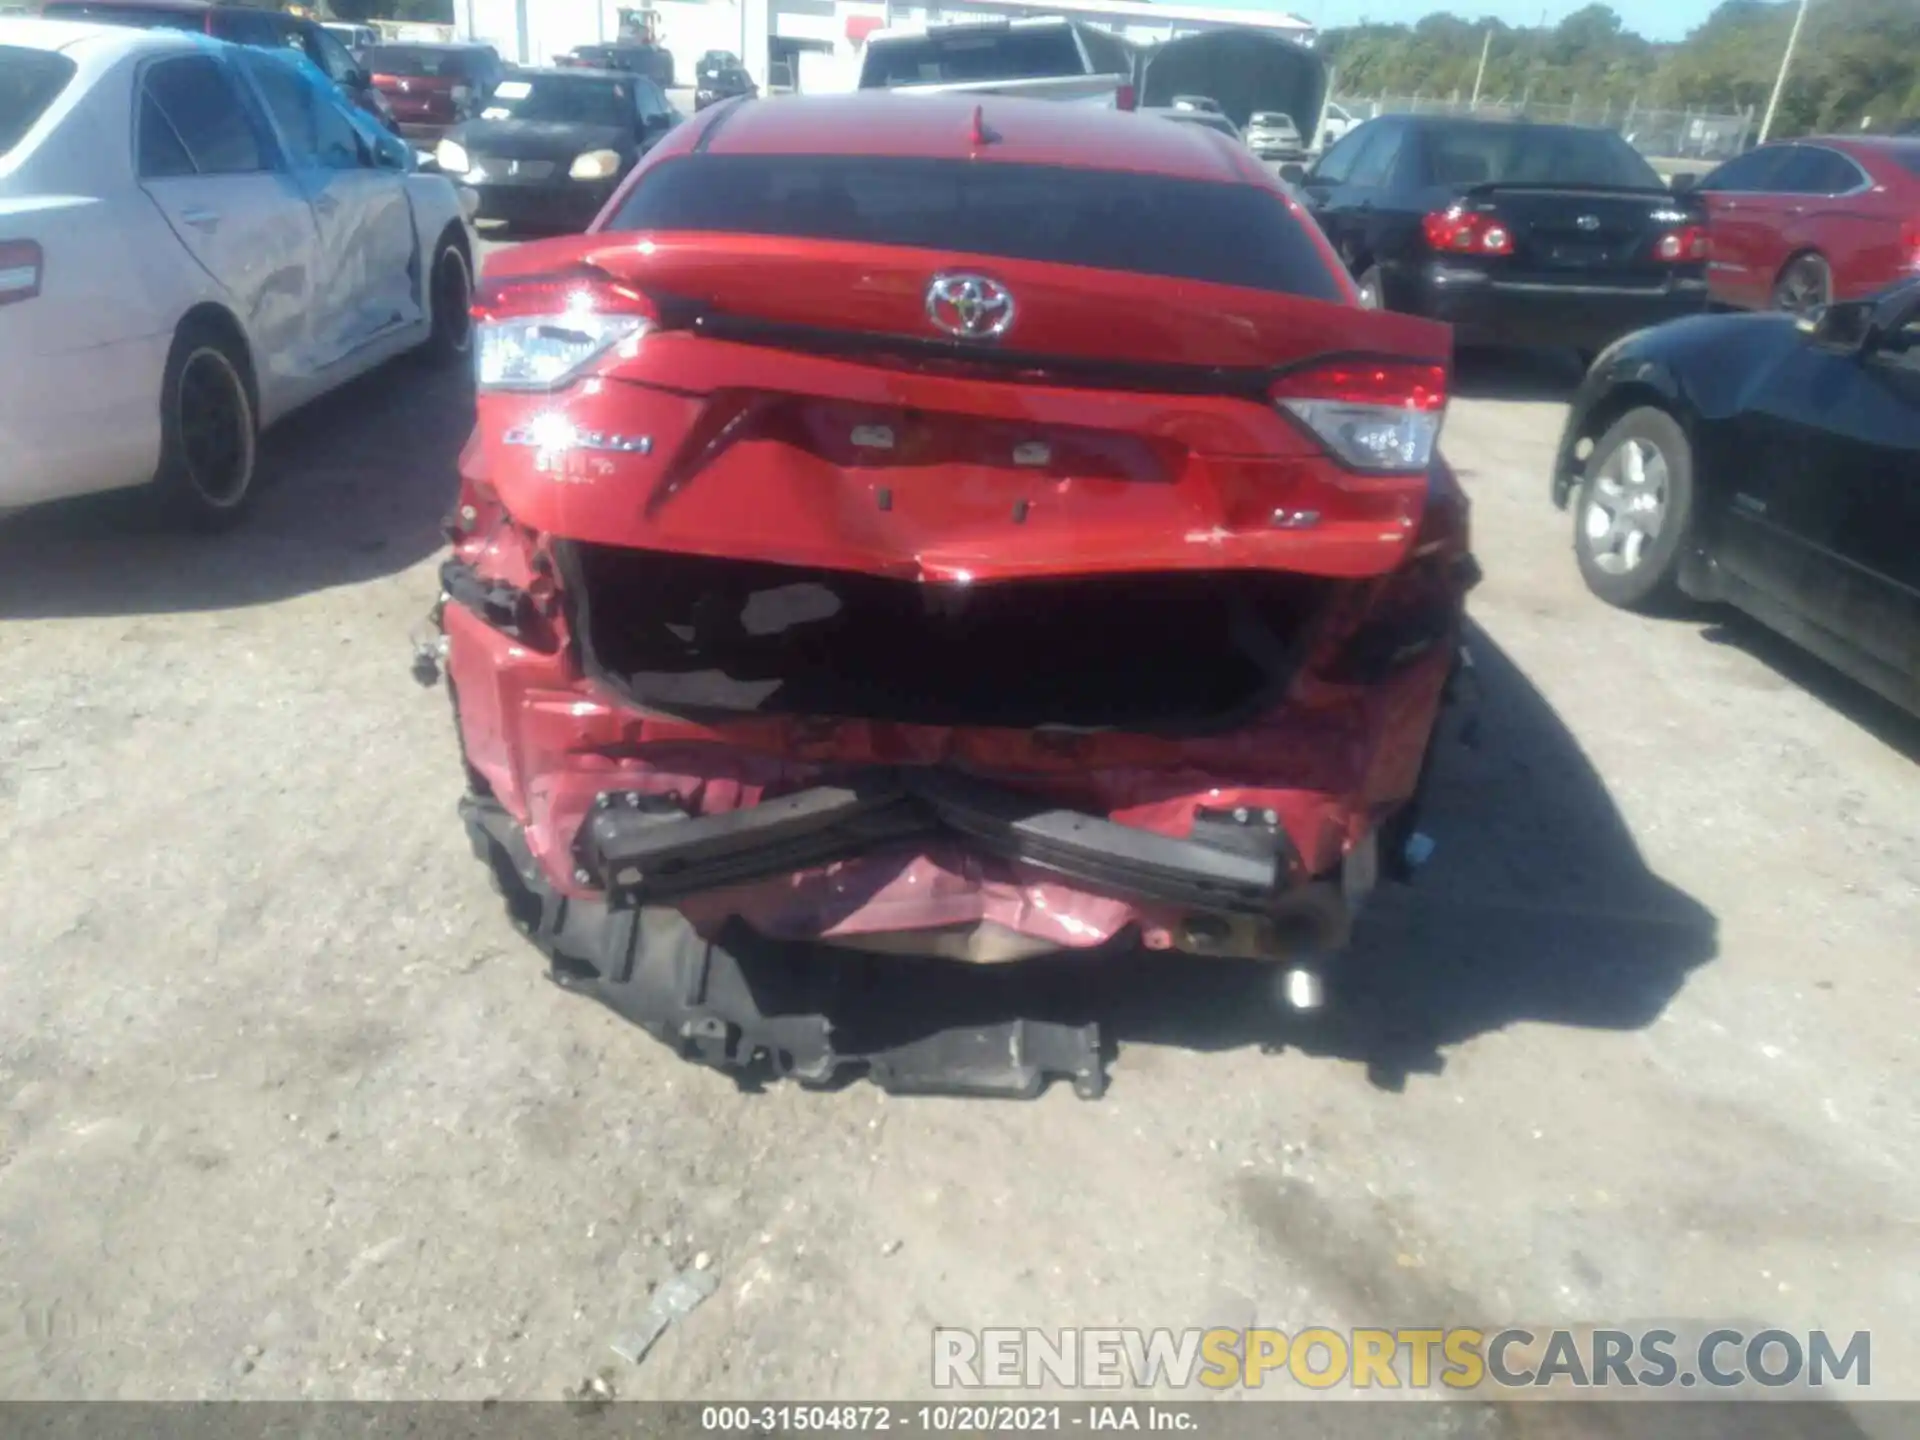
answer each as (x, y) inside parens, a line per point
(1868, 239)
(754, 457)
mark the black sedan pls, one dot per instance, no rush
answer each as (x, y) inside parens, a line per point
(1769, 463)
(551, 146)
(1513, 233)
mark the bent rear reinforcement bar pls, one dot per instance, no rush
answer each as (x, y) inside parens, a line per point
(647, 854)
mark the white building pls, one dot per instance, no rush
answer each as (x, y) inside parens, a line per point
(777, 33)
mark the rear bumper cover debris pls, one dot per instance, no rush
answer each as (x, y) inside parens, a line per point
(650, 855)
(765, 1009)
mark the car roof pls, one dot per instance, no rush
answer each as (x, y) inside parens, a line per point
(571, 72)
(1859, 144)
(941, 126)
(177, 7)
(90, 39)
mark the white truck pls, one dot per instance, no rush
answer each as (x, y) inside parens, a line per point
(1040, 59)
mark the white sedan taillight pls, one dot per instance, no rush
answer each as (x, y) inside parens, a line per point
(21, 267)
(1380, 416)
(542, 333)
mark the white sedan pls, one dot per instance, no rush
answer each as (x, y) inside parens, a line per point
(196, 239)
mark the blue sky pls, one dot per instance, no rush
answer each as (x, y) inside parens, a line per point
(1655, 19)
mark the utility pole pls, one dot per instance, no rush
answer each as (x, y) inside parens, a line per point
(1481, 73)
(1786, 63)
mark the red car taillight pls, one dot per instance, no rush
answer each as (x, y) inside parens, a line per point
(1910, 244)
(1379, 416)
(1460, 231)
(542, 332)
(1126, 98)
(21, 267)
(1679, 246)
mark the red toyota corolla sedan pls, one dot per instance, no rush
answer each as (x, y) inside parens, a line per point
(906, 538)
(1797, 224)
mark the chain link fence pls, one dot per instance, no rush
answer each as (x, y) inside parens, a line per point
(1658, 134)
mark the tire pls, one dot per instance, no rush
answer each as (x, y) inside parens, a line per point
(449, 304)
(209, 429)
(1634, 509)
(1805, 285)
(1373, 292)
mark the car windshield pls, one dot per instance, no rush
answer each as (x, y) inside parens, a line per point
(957, 58)
(1536, 155)
(1105, 219)
(562, 99)
(418, 62)
(1271, 120)
(30, 81)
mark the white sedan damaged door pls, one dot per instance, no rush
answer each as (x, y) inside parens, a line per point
(203, 160)
(367, 286)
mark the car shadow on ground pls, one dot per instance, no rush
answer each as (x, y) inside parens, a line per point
(1535, 906)
(1486, 374)
(353, 487)
(1872, 712)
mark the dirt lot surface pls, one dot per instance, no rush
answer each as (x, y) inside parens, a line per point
(288, 1110)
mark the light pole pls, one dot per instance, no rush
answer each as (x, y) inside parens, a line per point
(1786, 63)
(1481, 73)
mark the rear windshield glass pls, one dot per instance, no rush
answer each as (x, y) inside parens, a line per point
(419, 61)
(1535, 155)
(151, 17)
(1909, 158)
(953, 59)
(563, 100)
(30, 81)
(1106, 219)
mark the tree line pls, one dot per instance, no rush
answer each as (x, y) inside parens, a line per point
(1858, 62)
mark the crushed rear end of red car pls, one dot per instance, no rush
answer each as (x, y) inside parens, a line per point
(832, 611)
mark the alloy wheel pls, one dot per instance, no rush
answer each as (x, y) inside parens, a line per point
(1626, 506)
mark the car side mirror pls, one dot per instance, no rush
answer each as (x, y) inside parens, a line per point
(1682, 183)
(1294, 173)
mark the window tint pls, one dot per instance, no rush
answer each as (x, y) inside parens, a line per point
(1107, 51)
(331, 56)
(1751, 173)
(419, 61)
(244, 27)
(1375, 165)
(161, 155)
(198, 95)
(30, 81)
(566, 99)
(1337, 164)
(1106, 219)
(947, 59)
(1498, 154)
(1814, 170)
(306, 114)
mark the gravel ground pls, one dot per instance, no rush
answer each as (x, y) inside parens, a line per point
(287, 1110)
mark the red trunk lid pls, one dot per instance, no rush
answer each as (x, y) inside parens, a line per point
(799, 402)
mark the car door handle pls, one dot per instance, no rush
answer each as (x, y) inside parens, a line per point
(200, 218)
